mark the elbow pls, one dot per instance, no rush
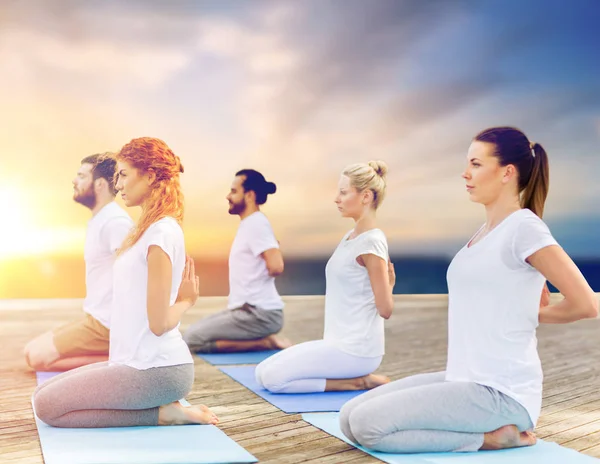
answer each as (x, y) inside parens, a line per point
(592, 310)
(385, 311)
(275, 271)
(157, 329)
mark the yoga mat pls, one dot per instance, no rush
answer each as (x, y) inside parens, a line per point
(543, 452)
(182, 444)
(227, 359)
(291, 402)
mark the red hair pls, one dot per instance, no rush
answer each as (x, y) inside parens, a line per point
(150, 155)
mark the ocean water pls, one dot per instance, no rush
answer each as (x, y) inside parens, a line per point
(413, 275)
(65, 278)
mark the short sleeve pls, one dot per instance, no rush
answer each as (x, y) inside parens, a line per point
(163, 235)
(532, 235)
(116, 231)
(373, 245)
(261, 237)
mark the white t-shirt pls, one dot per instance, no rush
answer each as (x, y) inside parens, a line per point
(106, 232)
(352, 322)
(249, 279)
(494, 301)
(132, 343)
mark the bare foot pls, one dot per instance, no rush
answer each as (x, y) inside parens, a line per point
(507, 437)
(372, 380)
(176, 414)
(277, 342)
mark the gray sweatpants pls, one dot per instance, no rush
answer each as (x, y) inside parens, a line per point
(424, 413)
(245, 323)
(99, 395)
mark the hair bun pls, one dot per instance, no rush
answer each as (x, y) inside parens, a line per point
(380, 167)
(271, 188)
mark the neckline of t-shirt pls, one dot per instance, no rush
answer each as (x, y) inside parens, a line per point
(349, 240)
(250, 215)
(491, 232)
(103, 211)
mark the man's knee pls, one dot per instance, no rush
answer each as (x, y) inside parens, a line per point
(41, 352)
(196, 343)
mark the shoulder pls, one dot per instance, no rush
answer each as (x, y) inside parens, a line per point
(166, 225)
(258, 221)
(375, 236)
(119, 220)
(259, 218)
(116, 221)
(526, 219)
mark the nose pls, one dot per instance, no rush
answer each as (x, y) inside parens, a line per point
(466, 174)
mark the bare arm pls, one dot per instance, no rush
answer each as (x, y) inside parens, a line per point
(163, 317)
(580, 301)
(383, 278)
(274, 260)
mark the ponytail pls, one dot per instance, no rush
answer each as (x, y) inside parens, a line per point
(535, 192)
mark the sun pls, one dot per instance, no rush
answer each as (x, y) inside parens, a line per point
(15, 232)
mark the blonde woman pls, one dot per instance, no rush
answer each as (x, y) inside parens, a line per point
(358, 297)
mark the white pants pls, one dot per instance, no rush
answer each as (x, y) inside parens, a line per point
(305, 368)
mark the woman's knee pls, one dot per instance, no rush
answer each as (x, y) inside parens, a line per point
(345, 420)
(42, 405)
(270, 379)
(362, 425)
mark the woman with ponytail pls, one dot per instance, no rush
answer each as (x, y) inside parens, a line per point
(149, 367)
(490, 395)
(358, 297)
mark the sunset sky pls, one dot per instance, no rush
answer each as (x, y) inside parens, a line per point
(296, 90)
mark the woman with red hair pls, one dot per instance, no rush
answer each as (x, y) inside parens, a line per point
(150, 367)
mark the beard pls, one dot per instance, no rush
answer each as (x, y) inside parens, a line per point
(86, 198)
(237, 208)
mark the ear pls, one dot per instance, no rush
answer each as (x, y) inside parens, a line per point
(509, 173)
(99, 185)
(366, 196)
(250, 195)
(150, 177)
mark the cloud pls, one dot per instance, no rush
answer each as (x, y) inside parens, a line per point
(298, 90)
(101, 60)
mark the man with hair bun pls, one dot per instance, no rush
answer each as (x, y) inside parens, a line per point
(254, 311)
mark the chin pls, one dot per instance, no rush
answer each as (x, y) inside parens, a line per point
(475, 199)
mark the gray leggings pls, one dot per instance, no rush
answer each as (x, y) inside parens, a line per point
(99, 395)
(245, 323)
(424, 413)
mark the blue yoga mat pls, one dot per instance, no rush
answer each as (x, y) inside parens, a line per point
(183, 444)
(291, 402)
(542, 452)
(227, 359)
